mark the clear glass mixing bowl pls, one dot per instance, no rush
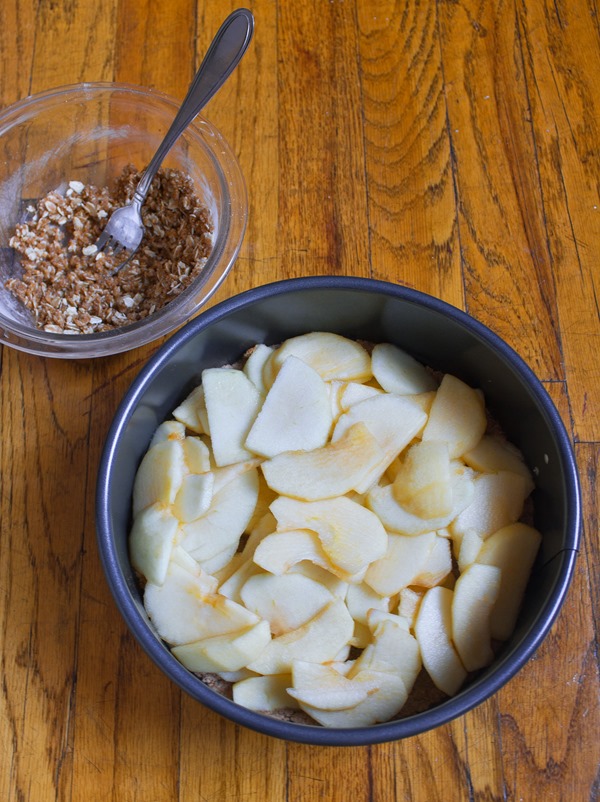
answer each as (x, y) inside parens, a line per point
(89, 133)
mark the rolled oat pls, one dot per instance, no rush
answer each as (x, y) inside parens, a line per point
(67, 284)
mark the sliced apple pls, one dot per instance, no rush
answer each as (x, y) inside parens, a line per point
(433, 630)
(423, 483)
(330, 355)
(169, 430)
(392, 419)
(266, 497)
(232, 404)
(196, 455)
(278, 552)
(153, 536)
(233, 584)
(437, 565)
(393, 650)
(266, 525)
(193, 497)
(409, 600)
(493, 454)
(185, 608)
(360, 599)
(457, 416)
(228, 652)
(264, 694)
(296, 414)
(332, 470)
(475, 594)
(192, 412)
(353, 392)
(469, 546)
(497, 502)
(396, 519)
(513, 550)
(386, 696)
(217, 562)
(226, 519)
(254, 365)
(335, 390)
(236, 676)
(159, 475)
(405, 558)
(287, 601)
(318, 641)
(377, 617)
(322, 687)
(351, 536)
(399, 372)
(181, 558)
(222, 476)
(361, 636)
(336, 586)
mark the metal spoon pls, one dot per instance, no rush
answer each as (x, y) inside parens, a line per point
(125, 229)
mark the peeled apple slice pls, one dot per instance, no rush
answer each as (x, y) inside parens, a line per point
(351, 536)
(497, 502)
(361, 598)
(457, 416)
(333, 470)
(185, 608)
(285, 601)
(493, 454)
(393, 421)
(192, 412)
(317, 641)
(169, 430)
(475, 594)
(433, 630)
(330, 355)
(226, 519)
(279, 551)
(193, 497)
(336, 586)
(320, 686)
(398, 372)
(296, 414)
(254, 365)
(403, 561)
(265, 694)
(386, 696)
(196, 454)
(393, 650)
(396, 519)
(159, 476)
(423, 483)
(232, 404)
(513, 549)
(224, 652)
(151, 542)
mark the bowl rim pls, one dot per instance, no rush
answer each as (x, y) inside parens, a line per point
(475, 693)
(226, 246)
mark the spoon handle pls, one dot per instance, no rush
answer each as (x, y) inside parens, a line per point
(224, 54)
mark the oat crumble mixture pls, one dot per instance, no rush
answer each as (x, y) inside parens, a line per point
(66, 282)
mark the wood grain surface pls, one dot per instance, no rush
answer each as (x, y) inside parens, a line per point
(448, 145)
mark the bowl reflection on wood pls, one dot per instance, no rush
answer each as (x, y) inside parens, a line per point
(439, 336)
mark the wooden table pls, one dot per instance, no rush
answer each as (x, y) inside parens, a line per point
(450, 146)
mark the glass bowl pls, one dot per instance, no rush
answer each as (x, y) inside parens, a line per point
(89, 133)
(438, 335)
